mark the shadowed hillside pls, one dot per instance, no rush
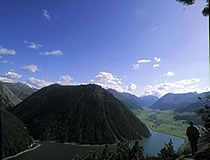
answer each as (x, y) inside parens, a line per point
(15, 136)
(86, 114)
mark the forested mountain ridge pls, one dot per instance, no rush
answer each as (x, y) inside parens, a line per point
(175, 101)
(85, 114)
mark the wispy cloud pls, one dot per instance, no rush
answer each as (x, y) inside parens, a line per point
(140, 62)
(156, 65)
(30, 68)
(5, 51)
(153, 28)
(37, 83)
(182, 86)
(143, 61)
(65, 80)
(12, 75)
(46, 14)
(33, 45)
(170, 73)
(53, 53)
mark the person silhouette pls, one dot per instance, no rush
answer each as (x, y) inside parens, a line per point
(193, 134)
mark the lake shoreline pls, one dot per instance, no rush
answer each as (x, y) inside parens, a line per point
(22, 152)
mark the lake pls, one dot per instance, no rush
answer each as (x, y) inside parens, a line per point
(58, 151)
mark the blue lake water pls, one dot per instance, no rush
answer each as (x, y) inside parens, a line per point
(58, 151)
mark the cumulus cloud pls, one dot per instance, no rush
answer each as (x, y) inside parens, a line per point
(156, 65)
(46, 14)
(30, 68)
(65, 80)
(37, 83)
(5, 79)
(182, 86)
(12, 75)
(33, 45)
(5, 51)
(131, 87)
(53, 53)
(170, 73)
(108, 80)
(157, 59)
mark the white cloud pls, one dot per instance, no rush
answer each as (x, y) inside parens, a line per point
(143, 61)
(53, 53)
(157, 59)
(170, 73)
(156, 65)
(108, 80)
(5, 79)
(5, 51)
(136, 66)
(140, 62)
(46, 14)
(189, 81)
(33, 45)
(131, 87)
(30, 68)
(182, 86)
(37, 83)
(12, 75)
(65, 80)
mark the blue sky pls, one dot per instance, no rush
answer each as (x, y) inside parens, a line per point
(138, 46)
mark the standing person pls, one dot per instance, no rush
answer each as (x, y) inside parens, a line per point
(193, 134)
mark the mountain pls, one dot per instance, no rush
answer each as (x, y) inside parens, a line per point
(7, 98)
(148, 101)
(188, 113)
(85, 114)
(14, 135)
(129, 100)
(175, 101)
(20, 90)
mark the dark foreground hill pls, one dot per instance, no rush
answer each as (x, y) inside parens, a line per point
(86, 114)
(175, 101)
(15, 137)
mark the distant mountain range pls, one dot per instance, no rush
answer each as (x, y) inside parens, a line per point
(132, 101)
(7, 97)
(13, 93)
(187, 112)
(175, 101)
(20, 90)
(85, 114)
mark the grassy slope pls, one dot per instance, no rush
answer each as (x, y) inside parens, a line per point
(163, 121)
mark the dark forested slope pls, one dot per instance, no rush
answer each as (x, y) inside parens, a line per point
(83, 114)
